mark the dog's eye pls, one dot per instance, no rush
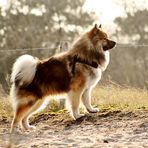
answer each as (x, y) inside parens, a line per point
(103, 40)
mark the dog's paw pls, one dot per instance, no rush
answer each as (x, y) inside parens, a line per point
(78, 116)
(93, 110)
(31, 127)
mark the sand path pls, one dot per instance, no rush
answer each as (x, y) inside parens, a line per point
(100, 130)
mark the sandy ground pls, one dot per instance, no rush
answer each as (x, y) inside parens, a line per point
(100, 130)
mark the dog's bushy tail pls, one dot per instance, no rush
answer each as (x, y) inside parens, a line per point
(24, 70)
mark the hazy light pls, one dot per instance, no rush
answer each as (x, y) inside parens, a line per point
(108, 10)
(3, 2)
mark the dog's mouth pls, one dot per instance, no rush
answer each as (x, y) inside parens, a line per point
(110, 44)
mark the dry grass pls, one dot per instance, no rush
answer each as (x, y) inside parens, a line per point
(5, 108)
(109, 97)
(118, 97)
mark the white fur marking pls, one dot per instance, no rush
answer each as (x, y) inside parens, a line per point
(24, 69)
(107, 59)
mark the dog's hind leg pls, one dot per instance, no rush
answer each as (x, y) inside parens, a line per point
(74, 99)
(21, 110)
(86, 99)
(33, 109)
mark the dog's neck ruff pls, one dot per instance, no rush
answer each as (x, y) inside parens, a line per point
(85, 52)
(94, 64)
(76, 59)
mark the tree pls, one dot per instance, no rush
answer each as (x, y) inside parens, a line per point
(135, 26)
(41, 23)
(33, 24)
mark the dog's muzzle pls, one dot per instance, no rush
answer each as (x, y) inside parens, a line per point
(109, 45)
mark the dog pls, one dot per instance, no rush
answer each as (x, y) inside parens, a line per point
(75, 73)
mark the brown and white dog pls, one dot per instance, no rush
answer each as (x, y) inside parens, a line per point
(74, 72)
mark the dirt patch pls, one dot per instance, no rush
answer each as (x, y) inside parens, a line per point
(101, 130)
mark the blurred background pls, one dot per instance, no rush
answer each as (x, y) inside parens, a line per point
(45, 27)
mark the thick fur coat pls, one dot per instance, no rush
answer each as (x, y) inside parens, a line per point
(74, 72)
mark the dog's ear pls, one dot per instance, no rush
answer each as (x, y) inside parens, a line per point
(95, 29)
(100, 26)
(96, 26)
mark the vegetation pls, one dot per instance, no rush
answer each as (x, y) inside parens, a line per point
(109, 97)
(117, 97)
(41, 23)
(134, 26)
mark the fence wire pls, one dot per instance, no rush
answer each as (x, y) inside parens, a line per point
(128, 65)
(118, 45)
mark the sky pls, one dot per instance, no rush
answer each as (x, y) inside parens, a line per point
(3, 2)
(106, 10)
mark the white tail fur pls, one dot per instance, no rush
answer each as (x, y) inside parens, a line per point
(24, 70)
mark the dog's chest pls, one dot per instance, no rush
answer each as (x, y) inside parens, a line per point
(94, 77)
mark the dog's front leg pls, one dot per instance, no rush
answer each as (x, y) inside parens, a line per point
(74, 99)
(86, 99)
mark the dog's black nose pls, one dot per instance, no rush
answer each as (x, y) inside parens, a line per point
(113, 43)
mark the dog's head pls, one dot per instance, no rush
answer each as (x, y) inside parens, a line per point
(99, 38)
